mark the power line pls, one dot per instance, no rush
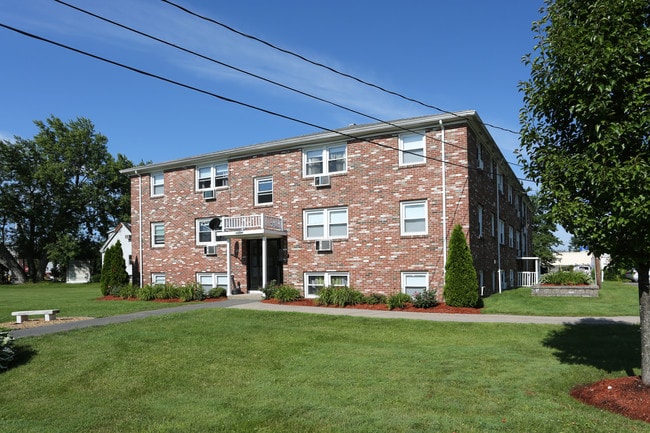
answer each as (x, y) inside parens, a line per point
(224, 98)
(324, 66)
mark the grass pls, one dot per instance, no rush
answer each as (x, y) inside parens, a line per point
(615, 299)
(241, 371)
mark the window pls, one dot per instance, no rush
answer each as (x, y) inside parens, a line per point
(500, 182)
(480, 221)
(494, 226)
(479, 156)
(157, 184)
(502, 230)
(264, 190)
(212, 177)
(509, 193)
(412, 149)
(414, 282)
(325, 160)
(158, 279)
(326, 223)
(209, 281)
(204, 234)
(157, 234)
(413, 217)
(315, 281)
(511, 236)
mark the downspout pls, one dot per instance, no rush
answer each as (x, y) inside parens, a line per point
(498, 230)
(140, 250)
(444, 198)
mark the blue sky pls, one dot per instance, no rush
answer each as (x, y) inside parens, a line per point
(453, 55)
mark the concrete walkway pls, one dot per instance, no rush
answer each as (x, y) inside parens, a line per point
(252, 302)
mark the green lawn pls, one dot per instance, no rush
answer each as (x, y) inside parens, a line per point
(240, 371)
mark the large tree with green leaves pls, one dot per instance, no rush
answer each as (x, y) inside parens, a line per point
(60, 193)
(543, 232)
(586, 129)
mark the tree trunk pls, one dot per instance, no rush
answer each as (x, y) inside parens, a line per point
(644, 314)
(9, 261)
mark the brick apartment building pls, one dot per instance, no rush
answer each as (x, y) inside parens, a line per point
(368, 206)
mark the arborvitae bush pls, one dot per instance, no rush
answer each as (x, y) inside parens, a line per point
(114, 274)
(461, 282)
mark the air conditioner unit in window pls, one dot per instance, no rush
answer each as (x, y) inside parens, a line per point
(321, 181)
(208, 195)
(324, 245)
(210, 250)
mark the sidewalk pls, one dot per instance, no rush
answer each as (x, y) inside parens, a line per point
(252, 302)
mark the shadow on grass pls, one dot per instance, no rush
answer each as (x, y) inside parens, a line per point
(611, 346)
(23, 353)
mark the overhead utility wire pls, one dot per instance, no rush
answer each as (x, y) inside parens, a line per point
(324, 66)
(243, 71)
(221, 97)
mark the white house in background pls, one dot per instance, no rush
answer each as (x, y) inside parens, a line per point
(566, 259)
(122, 233)
(78, 272)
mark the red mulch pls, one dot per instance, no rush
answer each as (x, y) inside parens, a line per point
(117, 298)
(440, 308)
(625, 396)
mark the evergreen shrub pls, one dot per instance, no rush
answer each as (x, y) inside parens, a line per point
(114, 274)
(461, 281)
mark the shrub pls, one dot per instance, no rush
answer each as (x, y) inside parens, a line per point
(217, 292)
(375, 299)
(114, 274)
(340, 296)
(128, 291)
(286, 293)
(146, 293)
(398, 300)
(425, 299)
(563, 278)
(461, 282)
(269, 290)
(6, 350)
(190, 292)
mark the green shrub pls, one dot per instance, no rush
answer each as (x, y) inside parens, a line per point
(398, 300)
(461, 281)
(190, 292)
(425, 299)
(146, 293)
(7, 352)
(269, 290)
(127, 291)
(375, 299)
(217, 292)
(340, 296)
(114, 274)
(286, 293)
(563, 278)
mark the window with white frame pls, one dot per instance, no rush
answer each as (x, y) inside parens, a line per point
(499, 181)
(157, 184)
(329, 223)
(264, 190)
(157, 234)
(479, 155)
(204, 234)
(509, 193)
(415, 282)
(480, 221)
(502, 232)
(212, 176)
(412, 149)
(325, 160)
(494, 225)
(209, 281)
(413, 217)
(315, 281)
(158, 278)
(511, 236)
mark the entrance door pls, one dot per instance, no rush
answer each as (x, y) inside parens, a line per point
(273, 263)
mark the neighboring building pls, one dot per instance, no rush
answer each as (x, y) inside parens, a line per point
(77, 272)
(122, 233)
(368, 206)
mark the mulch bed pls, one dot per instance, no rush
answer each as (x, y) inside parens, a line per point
(625, 396)
(172, 300)
(440, 308)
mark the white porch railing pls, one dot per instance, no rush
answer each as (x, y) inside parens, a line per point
(252, 222)
(526, 279)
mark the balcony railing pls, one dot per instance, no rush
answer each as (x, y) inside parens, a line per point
(526, 279)
(252, 222)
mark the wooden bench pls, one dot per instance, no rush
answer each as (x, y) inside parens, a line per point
(24, 315)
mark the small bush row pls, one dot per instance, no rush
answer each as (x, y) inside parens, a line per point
(562, 278)
(186, 292)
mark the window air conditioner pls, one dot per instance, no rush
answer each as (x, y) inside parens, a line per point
(210, 250)
(321, 181)
(208, 195)
(324, 245)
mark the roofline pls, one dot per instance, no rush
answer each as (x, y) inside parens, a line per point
(347, 133)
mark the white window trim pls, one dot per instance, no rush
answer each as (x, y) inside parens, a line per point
(213, 172)
(402, 150)
(156, 275)
(214, 239)
(154, 184)
(215, 279)
(327, 280)
(403, 220)
(153, 234)
(257, 191)
(325, 152)
(326, 224)
(405, 276)
(480, 221)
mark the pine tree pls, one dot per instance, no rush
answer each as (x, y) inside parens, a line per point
(114, 273)
(461, 282)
